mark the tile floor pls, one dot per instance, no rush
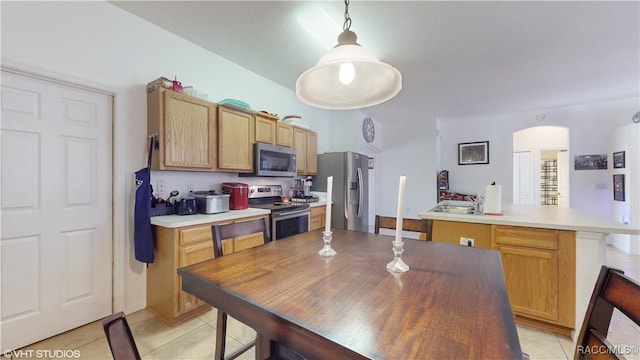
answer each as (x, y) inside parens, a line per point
(194, 339)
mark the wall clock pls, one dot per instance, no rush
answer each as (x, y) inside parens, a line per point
(368, 130)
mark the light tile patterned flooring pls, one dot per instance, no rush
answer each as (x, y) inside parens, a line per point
(194, 339)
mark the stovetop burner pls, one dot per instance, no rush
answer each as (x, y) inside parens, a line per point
(269, 197)
(305, 199)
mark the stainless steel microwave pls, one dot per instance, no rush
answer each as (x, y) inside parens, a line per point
(272, 160)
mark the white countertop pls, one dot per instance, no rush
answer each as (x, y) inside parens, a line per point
(174, 221)
(537, 216)
(319, 203)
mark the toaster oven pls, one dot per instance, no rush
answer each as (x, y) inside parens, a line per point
(208, 202)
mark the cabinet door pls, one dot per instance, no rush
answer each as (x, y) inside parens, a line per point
(186, 128)
(248, 241)
(242, 242)
(318, 214)
(284, 134)
(300, 144)
(234, 140)
(265, 130)
(538, 295)
(312, 153)
(188, 255)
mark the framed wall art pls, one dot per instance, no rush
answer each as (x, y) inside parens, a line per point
(590, 162)
(472, 153)
(618, 160)
(618, 187)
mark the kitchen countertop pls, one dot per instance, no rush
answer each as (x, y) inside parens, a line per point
(538, 216)
(319, 203)
(174, 221)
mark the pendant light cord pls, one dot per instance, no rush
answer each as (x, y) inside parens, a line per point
(347, 18)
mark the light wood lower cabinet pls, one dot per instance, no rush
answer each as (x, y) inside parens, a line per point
(318, 214)
(451, 231)
(539, 269)
(179, 247)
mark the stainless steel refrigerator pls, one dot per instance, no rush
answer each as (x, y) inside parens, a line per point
(350, 173)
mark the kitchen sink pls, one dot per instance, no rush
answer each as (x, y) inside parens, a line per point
(456, 207)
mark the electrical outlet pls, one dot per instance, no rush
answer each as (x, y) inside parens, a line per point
(465, 241)
(160, 187)
(189, 188)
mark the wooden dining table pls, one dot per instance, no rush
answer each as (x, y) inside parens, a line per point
(451, 304)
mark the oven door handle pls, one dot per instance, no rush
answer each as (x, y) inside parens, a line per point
(291, 213)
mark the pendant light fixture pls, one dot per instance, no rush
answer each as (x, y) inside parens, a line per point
(348, 76)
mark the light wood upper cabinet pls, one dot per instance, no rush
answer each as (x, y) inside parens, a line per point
(300, 144)
(186, 128)
(312, 153)
(306, 143)
(235, 139)
(265, 130)
(284, 134)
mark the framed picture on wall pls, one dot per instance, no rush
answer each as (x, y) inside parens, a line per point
(618, 160)
(472, 153)
(590, 162)
(618, 187)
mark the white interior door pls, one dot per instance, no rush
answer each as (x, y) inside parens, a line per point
(56, 237)
(522, 178)
(563, 178)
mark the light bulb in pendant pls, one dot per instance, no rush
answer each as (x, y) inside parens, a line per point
(347, 73)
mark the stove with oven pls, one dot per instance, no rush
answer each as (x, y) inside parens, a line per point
(287, 218)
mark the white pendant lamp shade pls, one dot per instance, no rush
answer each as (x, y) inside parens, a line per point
(348, 77)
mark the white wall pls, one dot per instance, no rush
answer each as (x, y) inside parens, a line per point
(95, 43)
(626, 138)
(590, 128)
(409, 149)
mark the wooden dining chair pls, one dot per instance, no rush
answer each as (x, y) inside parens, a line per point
(613, 290)
(230, 231)
(423, 226)
(119, 337)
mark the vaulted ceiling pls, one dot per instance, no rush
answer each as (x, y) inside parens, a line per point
(456, 58)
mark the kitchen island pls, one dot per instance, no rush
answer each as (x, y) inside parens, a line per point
(551, 257)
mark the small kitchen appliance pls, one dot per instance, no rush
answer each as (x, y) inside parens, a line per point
(287, 218)
(239, 195)
(186, 206)
(272, 160)
(208, 202)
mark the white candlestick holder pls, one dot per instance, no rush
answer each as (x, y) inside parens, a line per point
(397, 265)
(327, 250)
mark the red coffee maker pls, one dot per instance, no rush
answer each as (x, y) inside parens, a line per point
(239, 195)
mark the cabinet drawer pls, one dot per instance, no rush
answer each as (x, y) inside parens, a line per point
(195, 234)
(528, 237)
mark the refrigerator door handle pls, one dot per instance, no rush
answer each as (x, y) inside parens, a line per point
(346, 201)
(360, 192)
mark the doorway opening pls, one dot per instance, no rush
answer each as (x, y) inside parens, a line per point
(541, 166)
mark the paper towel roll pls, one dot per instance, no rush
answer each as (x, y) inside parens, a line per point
(493, 200)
